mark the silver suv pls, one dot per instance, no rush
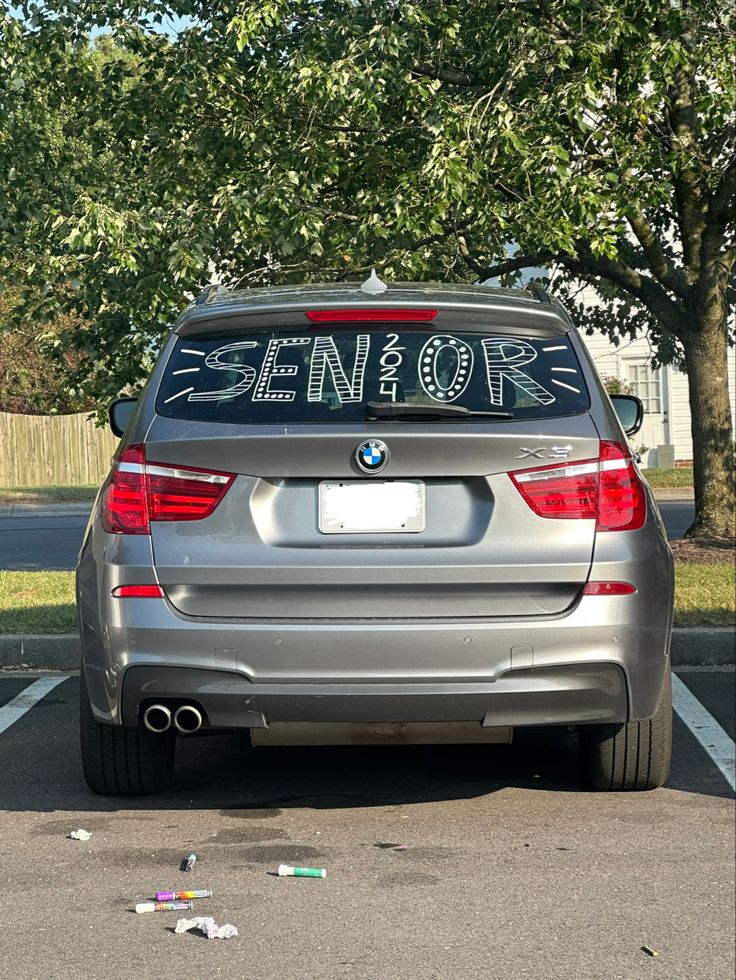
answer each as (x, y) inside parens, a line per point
(357, 513)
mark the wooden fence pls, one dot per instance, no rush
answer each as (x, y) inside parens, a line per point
(40, 450)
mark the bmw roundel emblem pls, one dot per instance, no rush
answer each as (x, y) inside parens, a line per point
(372, 455)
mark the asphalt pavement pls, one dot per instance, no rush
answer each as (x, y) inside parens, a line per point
(509, 868)
(33, 542)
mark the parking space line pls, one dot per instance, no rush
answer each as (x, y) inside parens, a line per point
(706, 729)
(24, 701)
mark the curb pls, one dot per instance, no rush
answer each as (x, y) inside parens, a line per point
(703, 646)
(681, 494)
(79, 509)
(52, 651)
(691, 647)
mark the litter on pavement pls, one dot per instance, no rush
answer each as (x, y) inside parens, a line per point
(208, 926)
(286, 870)
(80, 834)
(163, 906)
(172, 896)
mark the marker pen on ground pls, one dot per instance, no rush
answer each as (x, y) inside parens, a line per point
(164, 906)
(173, 895)
(288, 870)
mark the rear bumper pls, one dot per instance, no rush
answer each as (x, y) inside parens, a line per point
(585, 667)
(550, 696)
(603, 660)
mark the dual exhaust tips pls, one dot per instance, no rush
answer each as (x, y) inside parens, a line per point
(186, 720)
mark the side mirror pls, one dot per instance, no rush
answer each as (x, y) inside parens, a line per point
(630, 412)
(120, 413)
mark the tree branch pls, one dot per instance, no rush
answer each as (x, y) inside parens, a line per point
(509, 265)
(445, 75)
(586, 265)
(661, 265)
(643, 288)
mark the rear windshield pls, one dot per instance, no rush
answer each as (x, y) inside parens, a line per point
(328, 373)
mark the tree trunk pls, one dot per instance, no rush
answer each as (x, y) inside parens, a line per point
(706, 350)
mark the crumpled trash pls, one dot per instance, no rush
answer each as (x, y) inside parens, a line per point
(80, 834)
(207, 925)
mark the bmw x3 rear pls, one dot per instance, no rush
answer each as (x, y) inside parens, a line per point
(356, 513)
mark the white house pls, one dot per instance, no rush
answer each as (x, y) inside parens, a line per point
(664, 393)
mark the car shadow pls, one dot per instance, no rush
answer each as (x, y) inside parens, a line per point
(42, 772)
(223, 772)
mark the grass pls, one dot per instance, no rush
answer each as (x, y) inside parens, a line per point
(680, 476)
(705, 594)
(37, 602)
(48, 495)
(43, 602)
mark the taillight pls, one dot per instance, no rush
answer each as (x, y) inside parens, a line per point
(608, 490)
(125, 510)
(622, 501)
(138, 592)
(609, 588)
(568, 491)
(350, 316)
(141, 491)
(176, 494)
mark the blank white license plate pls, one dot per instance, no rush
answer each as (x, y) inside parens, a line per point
(365, 506)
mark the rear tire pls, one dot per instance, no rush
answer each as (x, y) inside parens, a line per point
(632, 756)
(120, 761)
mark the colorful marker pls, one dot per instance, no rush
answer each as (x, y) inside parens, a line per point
(286, 869)
(164, 906)
(173, 896)
(190, 862)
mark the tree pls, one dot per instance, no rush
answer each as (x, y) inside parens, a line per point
(310, 139)
(34, 380)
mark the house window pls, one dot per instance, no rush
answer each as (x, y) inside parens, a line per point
(646, 384)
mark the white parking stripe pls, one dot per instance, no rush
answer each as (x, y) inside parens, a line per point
(24, 701)
(706, 729)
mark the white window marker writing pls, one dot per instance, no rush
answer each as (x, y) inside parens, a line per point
(452, 354)
(15, 709)
(562, 384)
(189, 350)
(271, 368)
(505, 356)
(186, 371)
(561, 347)
(391, 359)
(217, 359)
(324, 357)
(706, 729)
(184, 391)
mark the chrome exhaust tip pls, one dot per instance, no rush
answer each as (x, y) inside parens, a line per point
(157, 718)
(188, 719)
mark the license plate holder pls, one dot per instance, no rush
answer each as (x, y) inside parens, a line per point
(372, 507)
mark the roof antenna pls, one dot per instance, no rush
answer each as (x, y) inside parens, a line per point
(373, 285)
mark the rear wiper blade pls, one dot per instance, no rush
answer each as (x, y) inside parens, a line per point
(408, 410)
